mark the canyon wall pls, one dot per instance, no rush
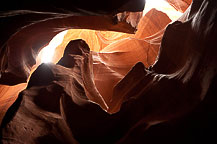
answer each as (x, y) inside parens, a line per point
(172, 99)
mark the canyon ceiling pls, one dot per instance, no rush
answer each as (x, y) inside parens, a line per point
(118, 76)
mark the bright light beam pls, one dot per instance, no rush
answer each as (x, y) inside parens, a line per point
(48, 51)
(163, 6)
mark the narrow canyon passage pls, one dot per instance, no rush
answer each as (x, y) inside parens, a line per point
(144, 47)
(115, 53)
(112, 72)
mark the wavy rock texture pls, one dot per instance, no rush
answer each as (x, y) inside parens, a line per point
(72, 112)
(27, 27)
(180, 5)
(42, 26)
(173, 101)
(24, 56)
(115, 58)
(8, 96)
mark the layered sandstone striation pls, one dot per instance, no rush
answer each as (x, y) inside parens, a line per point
(125, 91)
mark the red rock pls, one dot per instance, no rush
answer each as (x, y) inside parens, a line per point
(180, 5)
(170, 102)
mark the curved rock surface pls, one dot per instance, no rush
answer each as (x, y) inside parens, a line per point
(172, 101)
(41, 24)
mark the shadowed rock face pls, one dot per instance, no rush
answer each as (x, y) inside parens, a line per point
(41, 21)
(173, 101)
(27, 27)
(73, 111)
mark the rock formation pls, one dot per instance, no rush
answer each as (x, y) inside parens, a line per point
(180, 5)
(27, 27)
(168, 99)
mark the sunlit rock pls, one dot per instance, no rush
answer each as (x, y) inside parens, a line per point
(149, 87)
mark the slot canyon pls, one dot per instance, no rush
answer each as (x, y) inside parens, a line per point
(108, 72)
